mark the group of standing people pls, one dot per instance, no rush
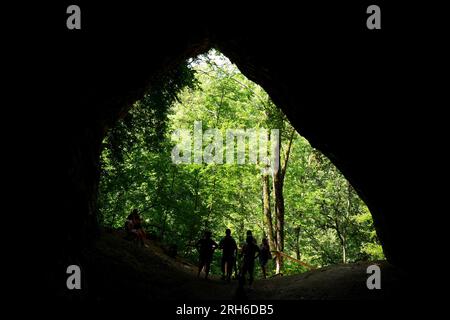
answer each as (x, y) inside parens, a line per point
(206, 246)
(249, 252)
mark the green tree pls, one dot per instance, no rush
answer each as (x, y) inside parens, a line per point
(306, 208)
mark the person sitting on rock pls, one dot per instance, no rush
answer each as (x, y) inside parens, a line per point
(131, 232)
(133, 227)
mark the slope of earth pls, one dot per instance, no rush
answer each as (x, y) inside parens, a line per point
(119, 270)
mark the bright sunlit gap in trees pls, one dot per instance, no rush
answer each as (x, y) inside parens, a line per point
(307, 209)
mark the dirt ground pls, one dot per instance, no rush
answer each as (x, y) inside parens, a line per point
(119, 270)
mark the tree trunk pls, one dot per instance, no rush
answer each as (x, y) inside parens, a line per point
(343, 243)
(344, 253)
(278, 175)
(267, 211)
(279, 217)
(297, 243)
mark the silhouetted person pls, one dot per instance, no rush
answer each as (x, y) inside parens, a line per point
(229, 249)
(133, 227)
(264, 255)
(206, 247)
(131, 233)
(249, 234)
(250, 252)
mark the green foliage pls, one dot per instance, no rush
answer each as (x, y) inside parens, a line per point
(326, 221)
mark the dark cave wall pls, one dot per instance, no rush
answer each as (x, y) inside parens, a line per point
(337, 86)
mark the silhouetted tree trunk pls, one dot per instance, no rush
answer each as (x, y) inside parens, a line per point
(278, 176)
(279, 217)
(333, 223)
(342, 241)
(297, 242)
(267, 210)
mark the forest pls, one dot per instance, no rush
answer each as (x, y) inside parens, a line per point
(310, 214)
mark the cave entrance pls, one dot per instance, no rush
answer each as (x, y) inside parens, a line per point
(310, 214)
